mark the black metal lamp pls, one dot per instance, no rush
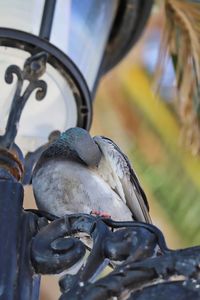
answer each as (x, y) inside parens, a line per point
(60, 49)
(78, 42)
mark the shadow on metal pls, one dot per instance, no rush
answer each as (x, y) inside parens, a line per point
(142, 265)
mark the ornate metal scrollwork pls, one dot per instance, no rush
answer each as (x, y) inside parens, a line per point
(34, 68)
(140, 263)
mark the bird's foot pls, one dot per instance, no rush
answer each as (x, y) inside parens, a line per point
(99, 213)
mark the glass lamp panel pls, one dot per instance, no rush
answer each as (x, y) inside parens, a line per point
(25, 15)
(81, 29)
(57, 111)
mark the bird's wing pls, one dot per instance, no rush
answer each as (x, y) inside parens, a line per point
(119, 174)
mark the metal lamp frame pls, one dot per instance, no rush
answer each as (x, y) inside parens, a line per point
(33, 242)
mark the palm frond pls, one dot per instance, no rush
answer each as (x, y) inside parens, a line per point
(181, 40)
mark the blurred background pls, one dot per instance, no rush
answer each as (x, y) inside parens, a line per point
(145, 126)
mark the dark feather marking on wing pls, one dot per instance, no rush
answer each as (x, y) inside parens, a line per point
(133, 177)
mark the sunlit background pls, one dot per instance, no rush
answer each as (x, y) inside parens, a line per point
(147, 129)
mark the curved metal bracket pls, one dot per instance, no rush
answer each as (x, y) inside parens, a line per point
(136, 252)
(34, 68)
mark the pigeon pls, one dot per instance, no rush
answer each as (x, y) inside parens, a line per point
(81, 174)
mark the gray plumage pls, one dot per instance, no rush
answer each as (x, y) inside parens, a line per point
(78, 173)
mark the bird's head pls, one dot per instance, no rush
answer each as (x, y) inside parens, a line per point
(79, 142)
